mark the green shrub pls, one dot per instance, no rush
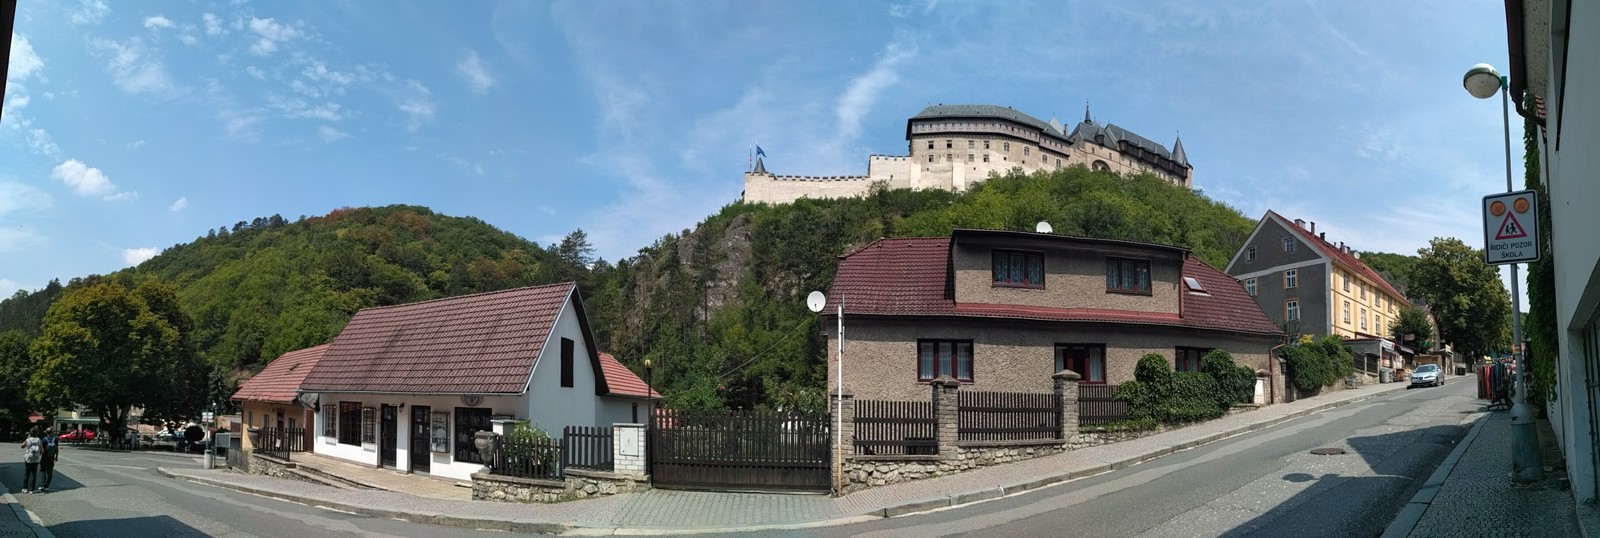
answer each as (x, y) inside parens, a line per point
(1313, 365)
(1193, 398)
(1235, 384)
(1148, 393)
(1153, 369)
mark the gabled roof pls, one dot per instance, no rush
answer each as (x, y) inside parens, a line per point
(912, 277)
(623, 382)
(280, 381)
(484, 343)
(1338, 256)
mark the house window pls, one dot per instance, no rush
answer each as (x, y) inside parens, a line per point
(1363, 291)
(1291, 310)
(1347, 311)
(1291, 279)
(350, 423)
(1391, 306)
(369, 425)
(469, 421)
(1346, 277)
(330, 420)
(1363, 319)
(1187, 359)
(1288, 244)
(1088, 360)
(1127, 276)
(1250, 286)
(1013, 268)
(937, 358)
(1250, 254)
(969, 144)
(566, 362)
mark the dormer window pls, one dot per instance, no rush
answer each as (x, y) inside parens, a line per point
(1127, 276)
(1018, 269)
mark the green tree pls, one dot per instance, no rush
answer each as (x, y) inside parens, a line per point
(110, 348)
(1413, 321)
(16, 367)
(1393, 267)
(1471, 305)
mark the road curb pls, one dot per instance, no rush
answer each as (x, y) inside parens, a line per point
(1407, 520)
(22, 515)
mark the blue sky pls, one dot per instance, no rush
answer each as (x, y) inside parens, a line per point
(131, 127)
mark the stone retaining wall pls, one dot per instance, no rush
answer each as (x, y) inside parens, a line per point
(577, 484)
(861, 472)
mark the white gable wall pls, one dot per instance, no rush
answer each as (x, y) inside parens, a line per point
(550, 405)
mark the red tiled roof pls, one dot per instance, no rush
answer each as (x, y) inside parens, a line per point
(280, 381)
(1338, 256)
(622, 381)
(484, 343)
(910, 277)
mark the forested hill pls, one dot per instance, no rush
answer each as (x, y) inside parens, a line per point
(719, 309)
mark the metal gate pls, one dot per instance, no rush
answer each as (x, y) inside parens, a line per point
(741, 450)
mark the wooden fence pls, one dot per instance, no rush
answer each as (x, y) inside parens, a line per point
(741, 450)
(891, 428)
(279, 442)
(1097, 404)
(526, 457)
(1007, 416)
(586, 447)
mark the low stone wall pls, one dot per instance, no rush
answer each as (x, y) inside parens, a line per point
(577, 484)
(269, 466)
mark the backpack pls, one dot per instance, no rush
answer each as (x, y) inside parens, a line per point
(50, 445)
(31, 454)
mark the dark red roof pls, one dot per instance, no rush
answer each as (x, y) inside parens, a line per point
(623, 382)
(1332, 251)
(910, 277)
(473, 344)
(280, 381)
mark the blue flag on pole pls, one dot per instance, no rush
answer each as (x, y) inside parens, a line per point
(760, 153)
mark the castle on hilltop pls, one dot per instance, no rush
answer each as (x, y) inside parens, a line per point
(954, 146)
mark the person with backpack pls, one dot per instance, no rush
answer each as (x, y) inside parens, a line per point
(32, 452)
(47, 464)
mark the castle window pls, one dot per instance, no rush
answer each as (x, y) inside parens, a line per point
(949, 158)
(1058, 163)
(930, 157)
(986, 157)
(1005, 147)
(969, 144)
(1025, 151)
(985, 144)
(969, 157)
(949, 144)
(930, 144)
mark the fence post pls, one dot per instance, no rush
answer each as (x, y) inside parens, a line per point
(628, 449)
(846, 438)
(946, 415)
(1067, 403)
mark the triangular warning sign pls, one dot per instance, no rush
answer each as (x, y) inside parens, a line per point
(1510, 228)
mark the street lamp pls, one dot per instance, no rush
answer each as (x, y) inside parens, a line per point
(649, 421)
(1483, 81)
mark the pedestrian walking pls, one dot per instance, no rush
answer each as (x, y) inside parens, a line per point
(47, 465)
(32, 452)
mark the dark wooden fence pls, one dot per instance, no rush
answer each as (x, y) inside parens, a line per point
(741, 450)
(279, 442)
(526, 457)
(1007, 416)
(1097, 404)
(890, 428)
(586, 447)
(236, 456)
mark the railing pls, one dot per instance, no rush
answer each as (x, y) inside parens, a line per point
(586, 447)
(894, 428)
(236, 455)
(526, 457)
(1007, 416)
(279, 442)
(1097, 404)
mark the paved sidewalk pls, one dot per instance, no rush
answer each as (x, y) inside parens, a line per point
(14, 520)
(666, 511)
(387, 479)
(1472, 489)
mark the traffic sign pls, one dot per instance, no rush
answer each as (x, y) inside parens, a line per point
(1511, 227)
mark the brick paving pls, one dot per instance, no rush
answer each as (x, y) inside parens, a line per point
(669, 510)
(1478, 497)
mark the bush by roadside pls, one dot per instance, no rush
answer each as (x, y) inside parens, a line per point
(1159, 395)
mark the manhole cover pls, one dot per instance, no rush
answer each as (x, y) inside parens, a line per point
(1327, 451)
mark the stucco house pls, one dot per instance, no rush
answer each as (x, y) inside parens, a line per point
(271, 399)
(1003, 310)
(407, 386)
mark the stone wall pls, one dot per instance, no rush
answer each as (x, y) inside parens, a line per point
(862, 472)
(576, 484)
(276, 468)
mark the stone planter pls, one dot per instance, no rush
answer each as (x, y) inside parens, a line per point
(484, 441)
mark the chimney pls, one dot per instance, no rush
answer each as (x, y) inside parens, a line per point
(1300, 222)
(1324, 237)
(1313, 228)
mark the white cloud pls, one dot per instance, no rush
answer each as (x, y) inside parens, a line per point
(91, 12)
(330, 134)
(8, 287)
(16, 197)
(180, 205)
(269, 34)
(256, 72)
(13, 239)
(136, 144)
(135, 68)
(157, 22)
(864, 90)
(86, 180)
(298, 108)
(24, 60)
(40, 142)
(418, 106)
(18, 101)
(188, 39)
(213, 25)
(477, 74)
(136, 256)
(240, 123)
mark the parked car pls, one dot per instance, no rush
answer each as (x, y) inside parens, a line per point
(77, 436)
(1427, 375)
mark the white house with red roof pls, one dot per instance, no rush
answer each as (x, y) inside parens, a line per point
(408, 386)
(1004, 311)
(1313, 286)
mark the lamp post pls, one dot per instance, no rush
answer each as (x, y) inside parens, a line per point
(1483, 81)
(649, 421)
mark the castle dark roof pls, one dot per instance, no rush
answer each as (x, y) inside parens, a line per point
(985, 112)
(1108, 135)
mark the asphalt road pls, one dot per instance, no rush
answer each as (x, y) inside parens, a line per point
(116, 494)
(1265, 483)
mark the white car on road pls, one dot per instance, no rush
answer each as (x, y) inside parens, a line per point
(1427, 375)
